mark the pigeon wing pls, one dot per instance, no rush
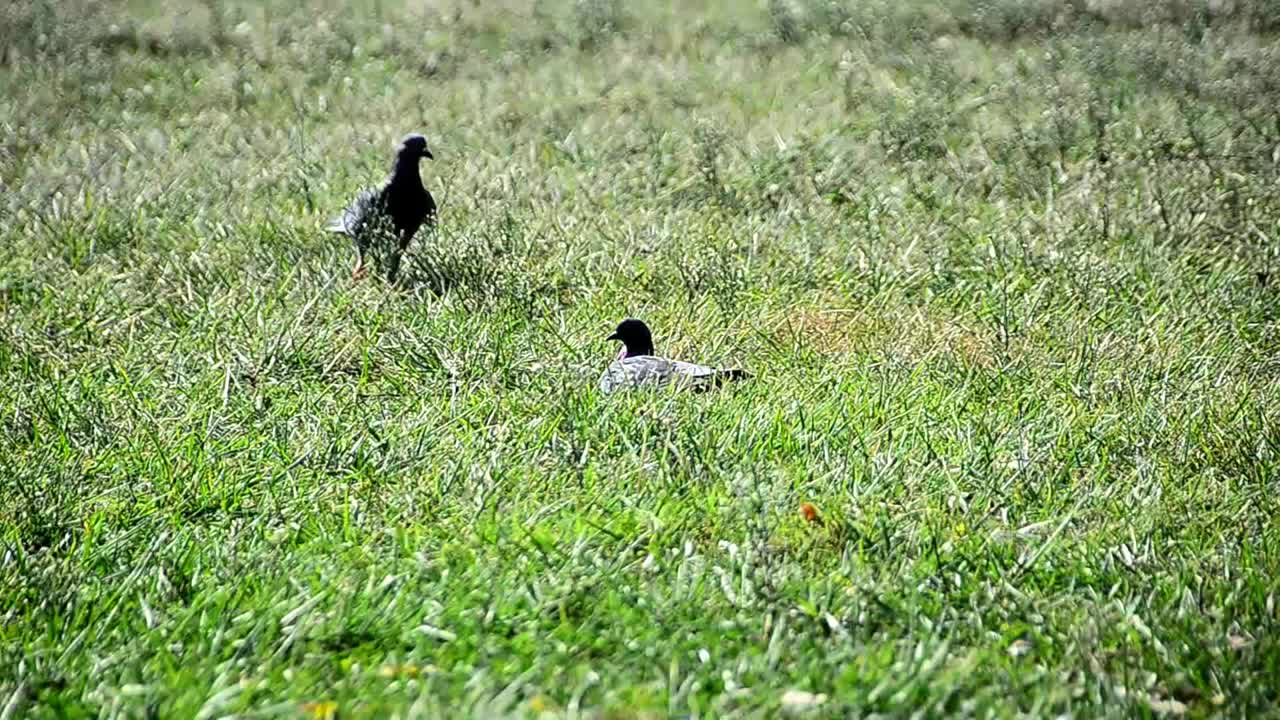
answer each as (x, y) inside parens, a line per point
(701, 377)
(652, 371)
(639, 371)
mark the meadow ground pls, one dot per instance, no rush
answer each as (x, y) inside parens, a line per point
(1006, 273)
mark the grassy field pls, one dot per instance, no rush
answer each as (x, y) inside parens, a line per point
(1007, 275)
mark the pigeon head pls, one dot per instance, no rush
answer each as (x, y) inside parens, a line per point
(414, 146)
(635, 338)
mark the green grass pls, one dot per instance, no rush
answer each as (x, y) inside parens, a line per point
(1006, 275)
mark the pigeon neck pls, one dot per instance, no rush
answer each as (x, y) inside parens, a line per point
(638, 349)
(405, 170)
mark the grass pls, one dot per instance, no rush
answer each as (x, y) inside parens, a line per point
(1005, 273)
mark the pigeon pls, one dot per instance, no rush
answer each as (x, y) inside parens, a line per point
(393, 212)
(637, 366)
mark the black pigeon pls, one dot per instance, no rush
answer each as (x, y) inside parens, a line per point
(393, 212)
(637, 366)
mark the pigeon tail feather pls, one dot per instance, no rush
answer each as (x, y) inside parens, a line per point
(356, 217)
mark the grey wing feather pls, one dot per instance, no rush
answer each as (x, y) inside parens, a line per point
(693, 370)
(359, 215)
(635, 372)
(651, 371)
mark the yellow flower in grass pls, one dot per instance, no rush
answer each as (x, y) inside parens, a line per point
(323, 710)
(406, 670)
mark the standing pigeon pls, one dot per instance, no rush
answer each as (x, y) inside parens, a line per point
(393, 212)
(637, 366)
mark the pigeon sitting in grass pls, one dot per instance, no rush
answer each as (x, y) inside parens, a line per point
(388, 217)
(637, 366)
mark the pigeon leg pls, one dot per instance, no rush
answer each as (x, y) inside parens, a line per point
(394, 270)
(360, 269)
(395, 267)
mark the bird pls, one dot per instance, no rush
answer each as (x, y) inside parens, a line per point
(637, 366)
(393, 212)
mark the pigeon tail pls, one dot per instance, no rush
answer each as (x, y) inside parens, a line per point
(718, 377)
(357, 215)
(339, 225)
